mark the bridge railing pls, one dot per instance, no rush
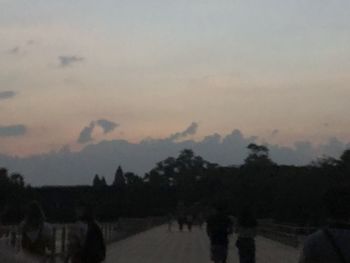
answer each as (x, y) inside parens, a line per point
(286, 234)
(112, 232)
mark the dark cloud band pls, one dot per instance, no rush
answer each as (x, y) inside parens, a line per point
(8, 94)
(102, 158)
(66, 61)
(107, 126)
(190, 130)
(13, 130)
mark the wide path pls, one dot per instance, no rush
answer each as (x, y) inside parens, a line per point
(160, 246)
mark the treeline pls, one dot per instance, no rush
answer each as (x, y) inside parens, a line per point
(285, 193)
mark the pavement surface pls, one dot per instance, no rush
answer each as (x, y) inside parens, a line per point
(158, 245)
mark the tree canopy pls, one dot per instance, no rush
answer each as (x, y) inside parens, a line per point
(285, 193)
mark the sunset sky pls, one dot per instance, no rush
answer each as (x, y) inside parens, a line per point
(279, 70)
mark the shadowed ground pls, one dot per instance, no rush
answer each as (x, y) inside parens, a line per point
(160, 246)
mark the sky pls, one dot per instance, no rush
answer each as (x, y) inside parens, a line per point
(76, 73)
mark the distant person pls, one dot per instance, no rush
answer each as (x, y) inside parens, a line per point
(200, 220)
(189, 222)
(246, 231)
(332, 244)
(219, 227)
(181, 221)
(37, 235)
(170, 221)
(86, 243)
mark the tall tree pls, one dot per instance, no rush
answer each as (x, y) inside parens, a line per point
(119, 178)
(99, 182)
(258, 156)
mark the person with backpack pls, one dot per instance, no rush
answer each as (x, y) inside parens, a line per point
(331, 244)
(86, 242)
(219, 227)
(37, 235)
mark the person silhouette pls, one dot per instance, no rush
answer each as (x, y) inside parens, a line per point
(170, 221)
(200, 220)
(189, 222)
(219, 227)
(181, 219)
(85, 239)
(331, 244)
(246, 231)
(37, 235)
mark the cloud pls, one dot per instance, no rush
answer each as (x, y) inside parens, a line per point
(105, 156)
(190, 130)
(85, 135)
(66, 61)
(8, 94)
(13, 130)
(106, 125)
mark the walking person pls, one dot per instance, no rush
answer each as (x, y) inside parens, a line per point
(37, 235)
(219, 227)
(181, 221)
(189, 222)
(200, 220)
(246, 231)
(332, 244)
(170, 222)
(86, 243)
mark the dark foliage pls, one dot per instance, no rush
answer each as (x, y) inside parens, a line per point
(285, 193)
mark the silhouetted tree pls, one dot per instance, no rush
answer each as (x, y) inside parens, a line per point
(258, 156)
(103, 181)
(13, 194)
(282, 192)
(99, 182)
(119, 178)
(17, 179)
(345, 160)
(326, 162)
(132, 179)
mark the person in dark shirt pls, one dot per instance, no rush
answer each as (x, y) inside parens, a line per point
(331, 244)
(181, 220)
(87, 243)
(219, 227)
(246, 230)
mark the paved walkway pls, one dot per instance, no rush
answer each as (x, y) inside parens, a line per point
(160, 246)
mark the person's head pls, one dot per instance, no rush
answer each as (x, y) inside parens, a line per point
(246, 218)
(35, 215)
(337, 203)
